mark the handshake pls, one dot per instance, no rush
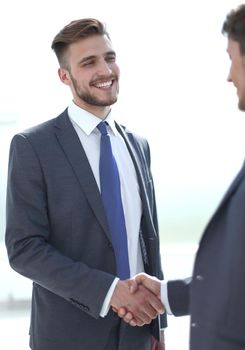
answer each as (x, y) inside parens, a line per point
(138, 300)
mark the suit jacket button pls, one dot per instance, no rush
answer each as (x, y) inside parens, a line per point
(193, 324)
(110, 245)
(199, 277)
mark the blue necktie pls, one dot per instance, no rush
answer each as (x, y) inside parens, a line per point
(112, 201)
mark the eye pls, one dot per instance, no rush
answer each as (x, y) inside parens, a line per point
(111, 58)
(88, 63)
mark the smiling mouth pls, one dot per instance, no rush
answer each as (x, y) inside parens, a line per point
(104, 84)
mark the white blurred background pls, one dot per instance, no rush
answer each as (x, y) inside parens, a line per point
(173, 91)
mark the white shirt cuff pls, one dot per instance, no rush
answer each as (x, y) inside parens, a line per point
(106, 304)
(164, 297)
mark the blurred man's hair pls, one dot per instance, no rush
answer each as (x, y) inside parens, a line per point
(234, 26)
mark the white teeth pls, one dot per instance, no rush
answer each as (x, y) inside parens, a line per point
(105, 84)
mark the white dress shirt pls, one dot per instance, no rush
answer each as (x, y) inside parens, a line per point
(164, 296)
(85, 125)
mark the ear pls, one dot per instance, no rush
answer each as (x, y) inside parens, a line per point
(64, 76)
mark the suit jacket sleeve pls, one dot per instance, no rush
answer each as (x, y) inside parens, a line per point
(29, 240)
(179, 296)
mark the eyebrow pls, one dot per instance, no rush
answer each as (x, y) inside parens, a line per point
(88, 58)
(110, 53)
(92, 57)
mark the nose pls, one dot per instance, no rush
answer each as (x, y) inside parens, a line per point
(104, 68)
(229, 79)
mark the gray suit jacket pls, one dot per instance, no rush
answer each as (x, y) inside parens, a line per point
(57, 235)
(215, 296)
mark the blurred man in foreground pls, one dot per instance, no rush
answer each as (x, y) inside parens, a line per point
(215, 295)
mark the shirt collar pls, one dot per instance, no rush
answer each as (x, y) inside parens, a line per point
(88, 121)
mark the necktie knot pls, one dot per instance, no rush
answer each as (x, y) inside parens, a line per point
(102, 126)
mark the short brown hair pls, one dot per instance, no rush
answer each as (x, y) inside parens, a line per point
(234, 26)
(73, 32)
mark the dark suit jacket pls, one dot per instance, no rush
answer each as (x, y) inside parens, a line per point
(57, 234)
(215, 297)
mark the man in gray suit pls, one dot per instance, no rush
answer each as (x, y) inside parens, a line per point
(58, 231)
(215, 295)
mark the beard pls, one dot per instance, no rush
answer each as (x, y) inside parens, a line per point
(241, 105)
(91, 99)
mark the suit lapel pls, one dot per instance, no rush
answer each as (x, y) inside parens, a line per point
(228, 193)
(147, 233)
(135, 159)
(75, 154)
(233, 186)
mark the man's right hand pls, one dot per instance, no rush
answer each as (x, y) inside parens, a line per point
(134, 299)
(139, 281)
(150, 282)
